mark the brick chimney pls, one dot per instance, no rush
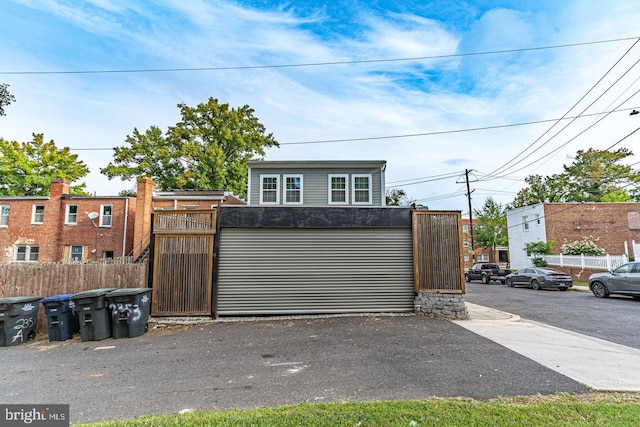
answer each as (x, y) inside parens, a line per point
(144, 208)
(59, 186)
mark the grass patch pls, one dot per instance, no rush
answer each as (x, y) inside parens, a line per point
(575, 283)
(593, 409)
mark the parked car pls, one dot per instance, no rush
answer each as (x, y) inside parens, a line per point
(539, 278)
(485, 272)
(623, 280)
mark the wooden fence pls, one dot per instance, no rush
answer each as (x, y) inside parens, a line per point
(437, 244)
(45, 280)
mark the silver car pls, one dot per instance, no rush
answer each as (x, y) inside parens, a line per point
(539, 277)
(623, 280)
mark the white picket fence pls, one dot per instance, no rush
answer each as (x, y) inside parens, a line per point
(606, 262)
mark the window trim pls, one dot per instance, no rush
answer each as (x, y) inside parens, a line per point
(5, 223)
(525, 222)
(67, 215)
(345, 190)
(354, 189)
(71, 258)
(33, 214)
(27, 254)
(277, 189)
(285, 190)
(103, 216)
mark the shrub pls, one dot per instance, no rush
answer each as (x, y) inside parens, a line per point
(586, 246)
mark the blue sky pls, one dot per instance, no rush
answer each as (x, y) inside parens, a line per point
(437, 98)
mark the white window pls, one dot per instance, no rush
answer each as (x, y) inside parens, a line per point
(37, 215)
(106, 215)
(465, 228)
(466, 257)
(269, 189)
(525, 223)
(483, 257)
(465, 243)
(361, 188)
(293, 189)
(71, 216)
(25, 253)
(338, 189)
(76, 253)
(4, 215)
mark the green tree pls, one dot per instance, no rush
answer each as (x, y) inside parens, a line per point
(537, 250)
(6, 98)
(397, 197)
(491, 230)
(541, 189)
(594, 176)
(26, 169)
(208, 149)
(148, 154)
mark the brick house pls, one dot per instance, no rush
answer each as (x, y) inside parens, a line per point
(615, 227)
(63, 227)
(501, 255)
(149, 200)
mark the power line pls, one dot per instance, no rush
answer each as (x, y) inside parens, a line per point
(318, 64)
(504, 167)
(414, 135)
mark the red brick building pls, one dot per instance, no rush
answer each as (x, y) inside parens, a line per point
(615, 227)
(501, 255)
(64, 227)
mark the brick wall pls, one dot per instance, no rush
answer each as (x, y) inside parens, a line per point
(611, 223)
(52, 235)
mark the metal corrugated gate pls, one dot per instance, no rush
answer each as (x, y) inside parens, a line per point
(295, 271)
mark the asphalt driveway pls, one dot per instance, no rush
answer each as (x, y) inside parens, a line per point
(269, 363)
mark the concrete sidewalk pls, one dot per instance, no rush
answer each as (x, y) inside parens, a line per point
(598, 364)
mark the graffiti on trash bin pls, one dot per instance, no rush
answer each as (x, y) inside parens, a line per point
(21, 325)
(133, 310)
(27, 307)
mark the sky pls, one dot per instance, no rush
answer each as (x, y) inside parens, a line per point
(502, 89)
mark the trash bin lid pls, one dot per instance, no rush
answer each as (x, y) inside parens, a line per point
(93, 293)
(128, 291)
(65, 297)
(18, 300)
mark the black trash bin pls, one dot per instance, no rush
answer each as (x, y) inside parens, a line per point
(129, 311)
(62, 317)
(94, 316)
(18, 319)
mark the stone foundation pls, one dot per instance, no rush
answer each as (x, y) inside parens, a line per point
(441, 306)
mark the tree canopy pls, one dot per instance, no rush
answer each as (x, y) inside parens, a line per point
(26, 169)
(208, 149)
(594, 176)
(6, 98)
(397, 197)
(491, 230)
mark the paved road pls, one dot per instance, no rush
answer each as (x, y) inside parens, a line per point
(270, 362)
(615, 319)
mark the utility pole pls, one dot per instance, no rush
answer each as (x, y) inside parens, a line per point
(466, 174)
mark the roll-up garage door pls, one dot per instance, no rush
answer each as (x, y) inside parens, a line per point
(296, 271)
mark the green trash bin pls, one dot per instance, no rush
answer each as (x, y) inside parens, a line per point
(93, 313)
(62, 317)
(18, 319)
(129, 311)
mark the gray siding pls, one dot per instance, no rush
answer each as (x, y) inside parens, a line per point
(289, 271)
(315, 184)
